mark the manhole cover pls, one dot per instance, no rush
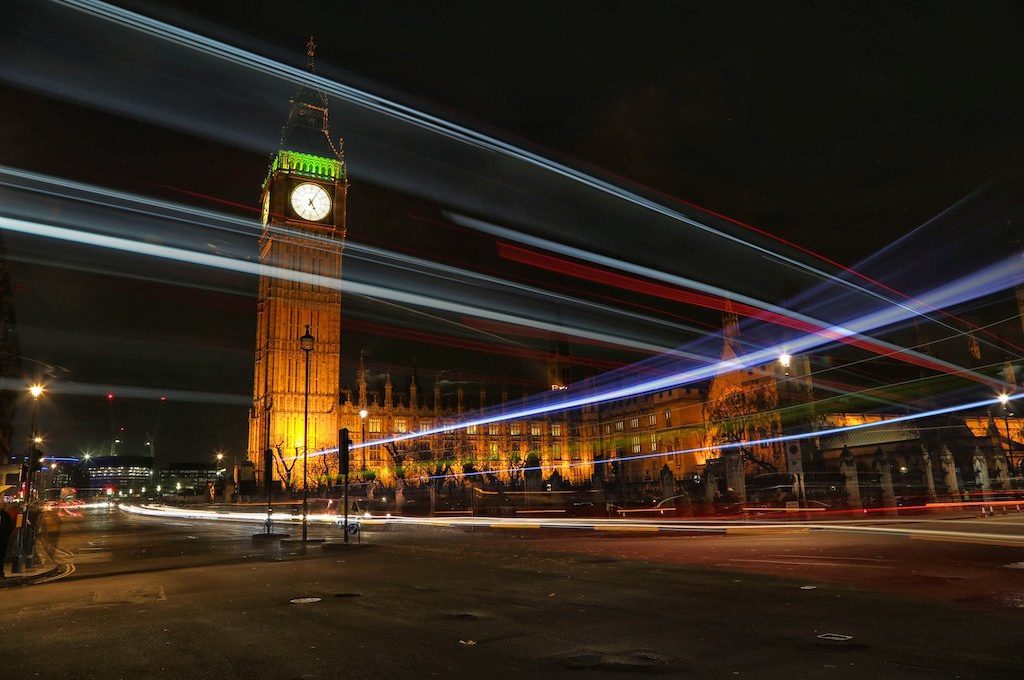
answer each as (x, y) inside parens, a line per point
(836, 637)
(304, 600)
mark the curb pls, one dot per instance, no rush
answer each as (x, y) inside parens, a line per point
(15, 581)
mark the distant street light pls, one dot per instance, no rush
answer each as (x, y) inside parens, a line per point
(306, 343)
(784, 360)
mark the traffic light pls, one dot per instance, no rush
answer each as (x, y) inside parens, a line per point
(36, 460)
(343, 446)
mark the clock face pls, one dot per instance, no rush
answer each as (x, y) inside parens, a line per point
(266, 209)
(311, 202)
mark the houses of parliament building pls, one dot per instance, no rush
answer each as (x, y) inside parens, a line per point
(304, 201)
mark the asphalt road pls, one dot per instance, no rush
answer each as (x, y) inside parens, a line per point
(152, 597)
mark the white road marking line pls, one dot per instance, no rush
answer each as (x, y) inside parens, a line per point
(834, 557)
(812, 564)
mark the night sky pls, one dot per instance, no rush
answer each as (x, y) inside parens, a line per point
(838, 126)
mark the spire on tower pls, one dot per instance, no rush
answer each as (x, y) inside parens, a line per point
(414, 401)
(361, 378)
(310, 51)
(307, 129)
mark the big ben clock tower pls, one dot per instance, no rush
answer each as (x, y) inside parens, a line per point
(303, 215)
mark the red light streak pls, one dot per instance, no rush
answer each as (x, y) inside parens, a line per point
(551, 263)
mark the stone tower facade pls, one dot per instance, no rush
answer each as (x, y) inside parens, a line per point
(300, 251)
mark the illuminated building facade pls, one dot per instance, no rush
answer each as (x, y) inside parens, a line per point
(121, 473)
(190, 478)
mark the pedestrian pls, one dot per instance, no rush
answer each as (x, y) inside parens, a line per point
(6, 529)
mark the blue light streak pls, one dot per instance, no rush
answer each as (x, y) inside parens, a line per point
(754, 442)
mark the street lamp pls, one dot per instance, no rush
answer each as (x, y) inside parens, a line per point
(25, 547)
(362, 421)
(784, 360)
(306, 343)
(1004, 399)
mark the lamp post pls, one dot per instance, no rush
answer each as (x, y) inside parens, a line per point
(306, 343)
(362, 442)
(1004, 399)
(25, 547)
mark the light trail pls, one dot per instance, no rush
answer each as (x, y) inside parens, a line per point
(80, 192)
(423, 120)
(953, 293)
(203, 259)
(132, 392)
(52, 186)
(745, 304)
(855, 272)
(992, 278)
(739, 526)
(157, 510)
(958, 291)
(702, 449)
(89, 194)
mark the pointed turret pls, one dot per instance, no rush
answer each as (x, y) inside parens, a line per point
(362, 381)
(388, 402)
(730, 332)
(437, 395)
(414, 402)
(308, 128)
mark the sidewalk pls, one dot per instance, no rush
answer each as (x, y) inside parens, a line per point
(28, 576)
(45, 568)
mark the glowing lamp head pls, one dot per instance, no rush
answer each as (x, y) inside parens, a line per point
(37, 439)
(785, 359)
(307, 340)
(1004, 398)
(36, 391)
(363, 413)
(53, 466)
(220, 456)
